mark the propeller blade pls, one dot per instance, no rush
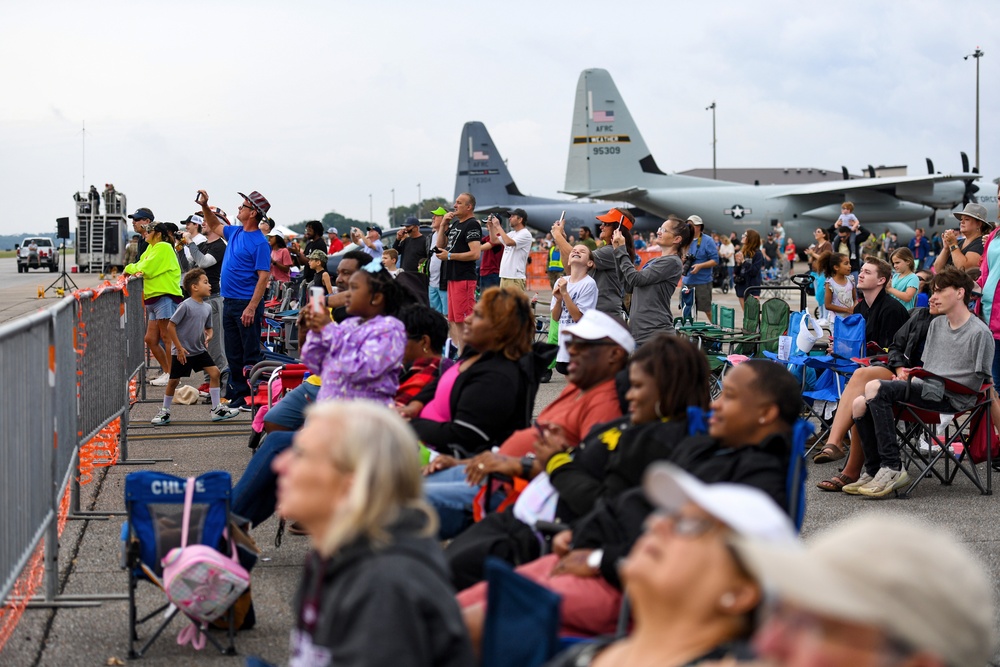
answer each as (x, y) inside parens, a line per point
(930, 166)
(871, 171)
(847, 176)
(970, 192)
(965, 163)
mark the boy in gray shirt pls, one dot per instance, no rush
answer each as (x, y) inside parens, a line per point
(189, 331)
(959, 348)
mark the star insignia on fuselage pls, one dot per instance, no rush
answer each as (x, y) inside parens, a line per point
(737, 211)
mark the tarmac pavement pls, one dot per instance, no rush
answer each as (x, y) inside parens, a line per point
(89, 556)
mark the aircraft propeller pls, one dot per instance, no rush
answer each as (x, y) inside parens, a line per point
(970, 185)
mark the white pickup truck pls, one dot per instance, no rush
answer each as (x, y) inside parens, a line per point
(37, 252)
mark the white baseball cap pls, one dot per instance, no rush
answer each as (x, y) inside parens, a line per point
(595, 325)
(747, 510)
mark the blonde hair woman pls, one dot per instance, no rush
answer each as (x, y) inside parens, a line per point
(376, 588)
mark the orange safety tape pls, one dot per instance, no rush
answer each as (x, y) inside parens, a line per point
(100, 451)
(29, 581)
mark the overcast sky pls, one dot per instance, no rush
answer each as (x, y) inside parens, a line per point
(318, 104)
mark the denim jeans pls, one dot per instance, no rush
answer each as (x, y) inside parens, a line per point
(242, 344)
(687, 301)
(449, 494)
(877, 427)
(489, 280)
(254, 495)
(290, 411)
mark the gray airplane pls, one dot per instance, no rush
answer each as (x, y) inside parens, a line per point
(609, 160)
(482, 172)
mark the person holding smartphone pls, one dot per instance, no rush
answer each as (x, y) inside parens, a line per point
(246, 270)
(459, 243)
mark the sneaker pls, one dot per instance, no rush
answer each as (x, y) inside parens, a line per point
(236, 403)
(221, 412)
(161, 381)
(886, 481)
(162, 418)
(203, 390)
(852, 488)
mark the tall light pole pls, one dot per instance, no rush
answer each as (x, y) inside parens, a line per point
(420, 201)
(370, 219)
(977, 54)
(712, 107)
(392, 223)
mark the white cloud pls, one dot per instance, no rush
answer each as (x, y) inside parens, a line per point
(319, 104)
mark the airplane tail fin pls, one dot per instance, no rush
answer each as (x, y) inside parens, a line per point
(481, 170)
(606, 150)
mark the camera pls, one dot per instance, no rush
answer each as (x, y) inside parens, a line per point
(688, 263)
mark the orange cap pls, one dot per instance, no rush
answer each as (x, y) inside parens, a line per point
(615, 216)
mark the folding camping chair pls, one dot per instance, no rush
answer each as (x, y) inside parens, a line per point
(825, 376)
(154, 502)
(522, 619)
(958, 448)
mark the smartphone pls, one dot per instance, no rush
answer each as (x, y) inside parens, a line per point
(562, 216)
(317, 297)
(197, 197)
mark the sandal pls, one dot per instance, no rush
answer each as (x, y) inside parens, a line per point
(829, 453)
(837, 482)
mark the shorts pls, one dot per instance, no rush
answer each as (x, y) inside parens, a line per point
(703, 297)
(489, 280)
(438, 299)
(461, 299)
(516, 283)
(195, 362)
(162, 308)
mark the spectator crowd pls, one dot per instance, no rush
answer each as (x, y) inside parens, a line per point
(411, 454)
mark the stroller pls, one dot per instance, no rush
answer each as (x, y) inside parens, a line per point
(720, 276)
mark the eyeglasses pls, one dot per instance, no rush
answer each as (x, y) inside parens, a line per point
(802, 623)
(249, 206)
(683, 526)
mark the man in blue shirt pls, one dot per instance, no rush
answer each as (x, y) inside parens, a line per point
(369, 242)
(246, 269)
(702, 255)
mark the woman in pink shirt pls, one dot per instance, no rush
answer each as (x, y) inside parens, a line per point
(281, 258)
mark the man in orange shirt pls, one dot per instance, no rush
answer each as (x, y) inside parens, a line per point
(590, 398)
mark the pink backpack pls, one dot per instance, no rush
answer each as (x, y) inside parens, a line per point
(200, 580)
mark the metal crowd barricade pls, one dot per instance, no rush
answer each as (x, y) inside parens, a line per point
(65, 375)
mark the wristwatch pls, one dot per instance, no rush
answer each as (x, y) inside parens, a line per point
(953, 247)
(527, 463)
(594, 559)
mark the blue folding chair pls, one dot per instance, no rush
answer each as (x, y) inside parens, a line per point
(154, 502)
(522, 619)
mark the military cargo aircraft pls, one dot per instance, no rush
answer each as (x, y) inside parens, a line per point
(482, 172)
(609, 160)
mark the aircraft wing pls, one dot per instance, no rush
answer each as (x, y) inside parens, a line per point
(613, 195)
(887, 185)
(495, 208)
